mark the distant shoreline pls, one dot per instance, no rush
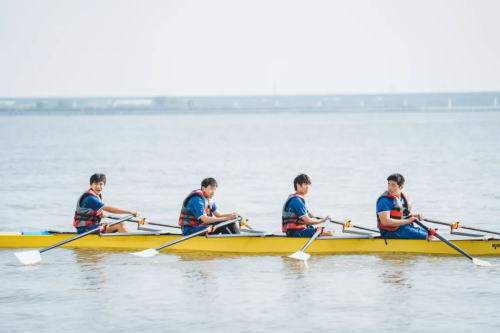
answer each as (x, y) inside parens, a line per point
(216, 111)
(445, 102)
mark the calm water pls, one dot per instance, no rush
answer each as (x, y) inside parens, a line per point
(450, 161)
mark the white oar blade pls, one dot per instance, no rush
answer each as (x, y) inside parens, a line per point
(29, 257)
(146, 253)
(480, 262)
(299, 255)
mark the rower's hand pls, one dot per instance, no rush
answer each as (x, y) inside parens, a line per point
(412, 219)
(136, 213)
(325, 218)
(233, 216)
(103, 215)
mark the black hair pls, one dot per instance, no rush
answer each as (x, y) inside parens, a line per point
(301, 179)
(98, 177)
(398, 178)
(209, 181)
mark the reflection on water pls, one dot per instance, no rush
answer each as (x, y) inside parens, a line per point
(198, 275)
(395, 265)
(295, 268)
(396, 278)
(91, 263)
(203, 256)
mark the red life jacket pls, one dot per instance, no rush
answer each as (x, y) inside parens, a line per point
(85, 217)
(187, 218)
(290, 220)
(397, 212)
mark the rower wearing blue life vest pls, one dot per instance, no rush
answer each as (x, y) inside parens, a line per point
(198, 210)
(89, 209)
(394, 216)
(296, 220)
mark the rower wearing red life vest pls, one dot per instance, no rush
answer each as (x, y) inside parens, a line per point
(198, 210)
(296, 220)
(394, 216)
(89, 208)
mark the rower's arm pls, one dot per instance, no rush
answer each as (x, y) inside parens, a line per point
(231, 215)
(115, 210)
(312, 220)
(210, 219)
(386, 220)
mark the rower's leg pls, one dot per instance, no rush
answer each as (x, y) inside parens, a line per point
(234, 228)
(407, 232)
(226, 230)
(307, 233)
(188, 230)
(120, 227)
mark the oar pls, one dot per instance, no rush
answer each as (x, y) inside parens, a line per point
(31, 257)
(142, 221)
(301, 255)
(348, 224)
(476, 261)
(457, 225)
(211, 227)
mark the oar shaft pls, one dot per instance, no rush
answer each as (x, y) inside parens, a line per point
(445, 240)
(437, 222)
(84, 234)
(316, 234)
(463, 227)
(311, 240)
(355, 226)
(481, 230)
(152, 223)
(195, 234)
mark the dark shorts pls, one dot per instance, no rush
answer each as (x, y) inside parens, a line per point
(188, 230)
(81, 230)
(309, 232)
(405, 232)
(228, 229)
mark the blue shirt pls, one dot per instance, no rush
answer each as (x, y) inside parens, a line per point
(386, 204)
(296, 205)
(89, 201)
(196, 206)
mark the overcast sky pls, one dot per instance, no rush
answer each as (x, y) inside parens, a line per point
(254, 47)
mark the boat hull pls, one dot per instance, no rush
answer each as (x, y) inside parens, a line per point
(253, 244)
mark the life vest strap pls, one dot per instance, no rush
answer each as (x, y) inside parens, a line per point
(292, 224)
(84, 220)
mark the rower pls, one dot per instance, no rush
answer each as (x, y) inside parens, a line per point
(394, 216)
(297, 221)
(198, 210)
(89, 209)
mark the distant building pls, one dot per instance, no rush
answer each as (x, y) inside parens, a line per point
(7, 104)
(132, 103)
(162, 102)
(66, 104)
(42, 105)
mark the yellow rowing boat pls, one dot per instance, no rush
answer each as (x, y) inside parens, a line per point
(254, 243)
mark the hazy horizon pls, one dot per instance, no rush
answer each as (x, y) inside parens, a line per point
(250, 96)
(220, 48)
